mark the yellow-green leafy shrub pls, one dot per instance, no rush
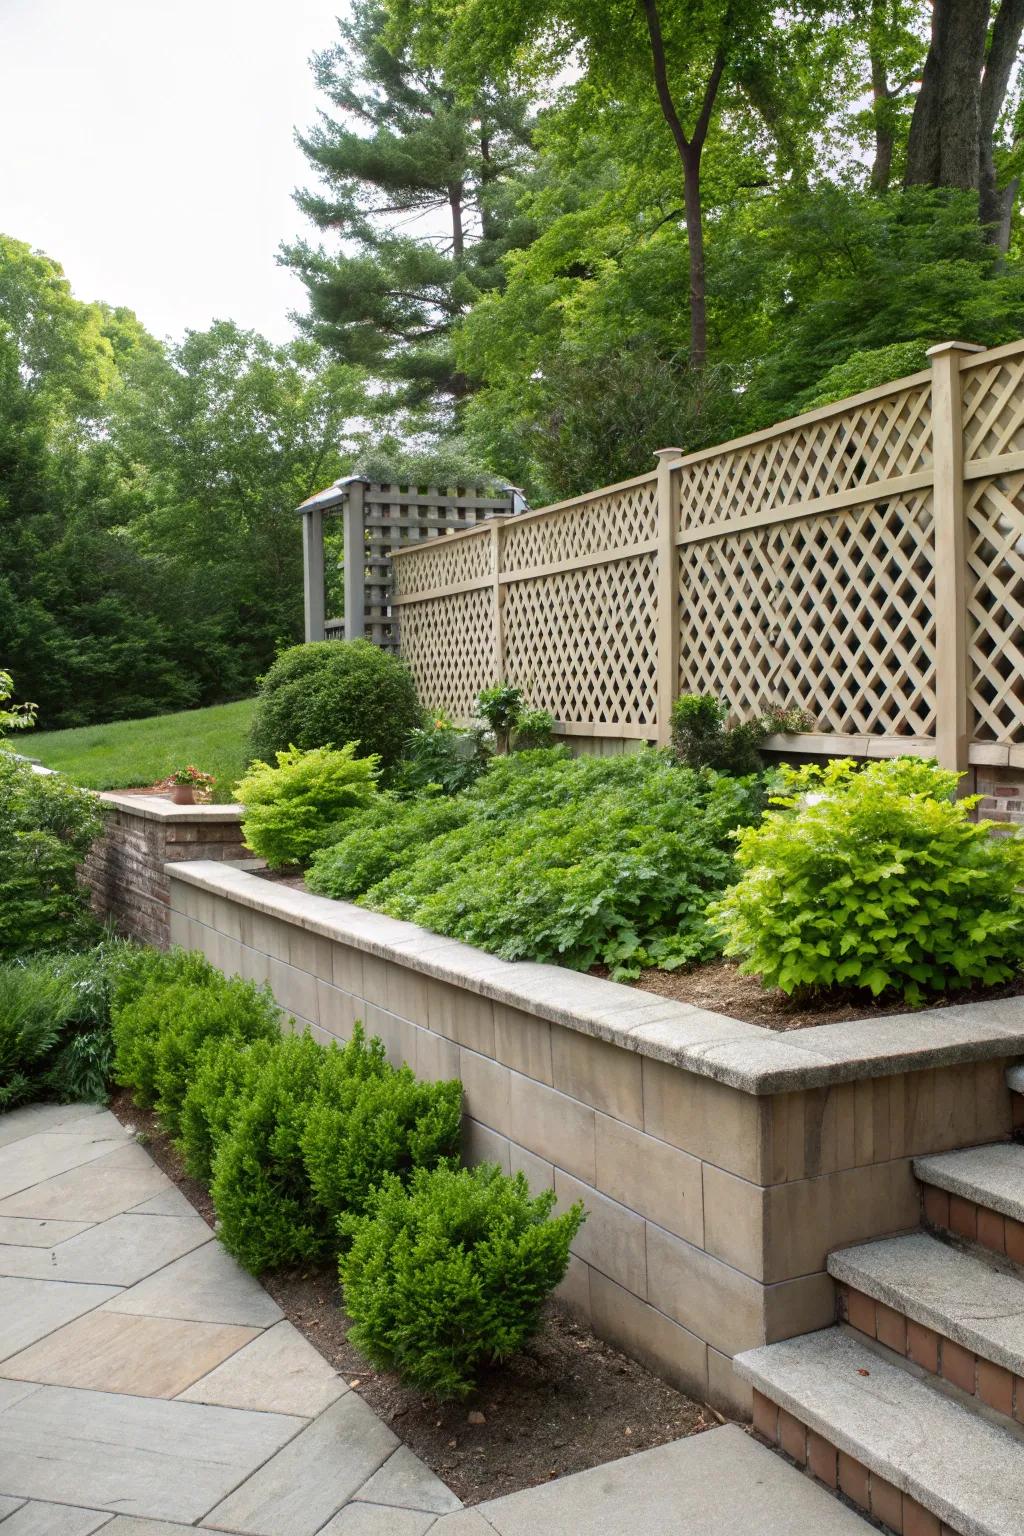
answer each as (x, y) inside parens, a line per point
(290, 809)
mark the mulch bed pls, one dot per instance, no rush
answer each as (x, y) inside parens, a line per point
(567, 1402)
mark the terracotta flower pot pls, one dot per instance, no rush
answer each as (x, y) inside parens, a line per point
(183, 794)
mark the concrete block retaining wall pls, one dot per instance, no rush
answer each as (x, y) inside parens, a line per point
(719, 1162)
(126, 867)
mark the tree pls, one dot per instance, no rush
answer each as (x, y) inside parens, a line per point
(413, 182)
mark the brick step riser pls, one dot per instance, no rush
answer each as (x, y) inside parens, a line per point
(896, 1511)
(976, 1223)
(990, 1383)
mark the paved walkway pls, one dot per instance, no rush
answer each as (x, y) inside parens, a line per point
(148, 1385)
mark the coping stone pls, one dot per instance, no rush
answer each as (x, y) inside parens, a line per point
(992, 1176)
(159, 808)
(711, 1484)
(1015, 1078)
(960, 1295)
(963, 1469)
(730, 1051)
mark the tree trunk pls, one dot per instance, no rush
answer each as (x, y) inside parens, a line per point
(1002, 55)
(881, 167)
(944, 148)
(458, 234)
(695, 244)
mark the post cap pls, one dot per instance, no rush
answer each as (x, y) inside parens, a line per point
(954, 346)
(668, 453)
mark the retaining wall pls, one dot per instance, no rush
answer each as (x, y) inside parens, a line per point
(719, 1162)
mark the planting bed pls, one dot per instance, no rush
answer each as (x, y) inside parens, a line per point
(568, 1402)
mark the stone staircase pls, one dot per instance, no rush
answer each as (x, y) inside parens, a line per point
(912, 1405)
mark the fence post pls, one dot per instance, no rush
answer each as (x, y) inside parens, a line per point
(950, 571)
(499, 632)
(355, 562)
(667, 612)
(313, 571)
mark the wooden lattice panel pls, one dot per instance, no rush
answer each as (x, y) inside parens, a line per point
(993, 407)
(582, 643)
(444, 562)
(995, 607)
(835, 614)
(624, 518)
(449, 644)
(881, 440)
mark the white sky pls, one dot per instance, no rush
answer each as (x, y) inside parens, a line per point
(147, 147)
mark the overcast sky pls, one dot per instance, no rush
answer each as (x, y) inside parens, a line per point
(147, 146)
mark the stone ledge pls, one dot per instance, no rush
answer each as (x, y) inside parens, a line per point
(157, 808)
(743, 1056)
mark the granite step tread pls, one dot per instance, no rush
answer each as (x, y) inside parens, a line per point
(963, 1296)
(992, 1176)
(967, 1471)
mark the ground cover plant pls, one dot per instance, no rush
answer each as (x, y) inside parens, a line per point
(549, 857)
(333, 692)
(448, 1273)
(874, 878)
(291, 807)
(128, 754)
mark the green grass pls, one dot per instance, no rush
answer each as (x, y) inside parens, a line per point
(135, 752)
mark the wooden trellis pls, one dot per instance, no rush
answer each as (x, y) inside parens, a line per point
(865, 561)
(376, 519)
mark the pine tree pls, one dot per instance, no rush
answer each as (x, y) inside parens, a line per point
(416, 184)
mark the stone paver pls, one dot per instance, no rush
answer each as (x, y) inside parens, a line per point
(7, 1506)
(19, 1123)
(374, 1520)
(30, 1309)
(116, 1252)
(46, 1153)
(135, 1455)
(35, 1519)
(30, 1232)
(114, 1184)
(170, 1202)
(278, 1370)
(117, 1352)
(407, 1483)
(206, 1286)
(309, 1481)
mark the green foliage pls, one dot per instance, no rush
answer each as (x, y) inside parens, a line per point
(442, 754)
(260, 1187)
(46, 828)
(13, 717)
(548, 857)
(334, 692)
(501, 706)
(145, 992)
(33, 1013)
(288, 809)
(449, 1274)
(226, 1009)
(221, 1078)
(701, 738)
(360, 1130)
(874, 879)
(534, 728)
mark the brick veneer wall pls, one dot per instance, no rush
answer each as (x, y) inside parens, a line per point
(126, 868)
(1002, 792)
(712, 1207)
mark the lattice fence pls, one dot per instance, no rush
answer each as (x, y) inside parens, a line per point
(865, 562)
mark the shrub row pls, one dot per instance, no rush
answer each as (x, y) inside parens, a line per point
(311, 1150)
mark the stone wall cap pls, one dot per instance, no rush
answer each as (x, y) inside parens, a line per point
(159, 808)
(743, 1056)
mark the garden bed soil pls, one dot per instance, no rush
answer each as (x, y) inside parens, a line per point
(721, 987)
(567, 1402)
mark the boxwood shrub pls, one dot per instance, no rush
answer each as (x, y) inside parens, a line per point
(448, 1273)
(874, 878)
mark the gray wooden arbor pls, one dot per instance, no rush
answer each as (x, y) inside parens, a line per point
(376, 520)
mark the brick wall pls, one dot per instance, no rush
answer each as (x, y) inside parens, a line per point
(126, 871)
(1002, 791)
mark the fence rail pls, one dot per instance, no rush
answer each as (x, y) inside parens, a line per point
(864, 561)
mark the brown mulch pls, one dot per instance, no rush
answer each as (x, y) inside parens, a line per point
(567, 1402)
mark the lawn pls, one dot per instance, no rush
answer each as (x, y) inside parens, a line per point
(135, 752)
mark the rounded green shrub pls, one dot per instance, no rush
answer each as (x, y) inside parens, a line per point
(874, 878)
(226, 1009)
(141, 1009)
(388, 1123)
(333, 692)
(47, 826)
(219, 1082)
(448, 1273)
(304, 802)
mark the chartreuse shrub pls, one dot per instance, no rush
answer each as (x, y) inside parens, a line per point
(448, 1273)
(548, 857)
(874, 878)
(47, 826)
(333, 692)
(290, 809)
